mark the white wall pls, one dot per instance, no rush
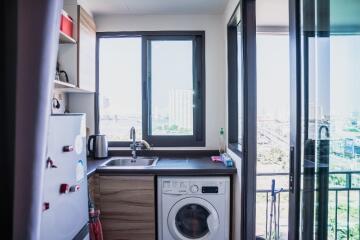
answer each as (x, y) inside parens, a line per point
(216, 70)
(214, 55)
(84, 103)
(237, 177)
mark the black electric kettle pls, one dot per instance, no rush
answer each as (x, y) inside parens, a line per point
(98, 146)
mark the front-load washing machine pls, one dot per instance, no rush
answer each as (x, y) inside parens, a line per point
(193, 208)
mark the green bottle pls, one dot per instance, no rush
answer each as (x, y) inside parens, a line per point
(222, 141)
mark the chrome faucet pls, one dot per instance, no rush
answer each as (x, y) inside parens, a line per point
(133, 145)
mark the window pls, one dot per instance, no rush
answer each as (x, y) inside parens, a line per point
(172, 84)
(273, 126)
(153, 81)
(235, 82)
(120, 87)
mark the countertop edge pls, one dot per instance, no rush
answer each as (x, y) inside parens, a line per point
(167, 171)
(214, 169)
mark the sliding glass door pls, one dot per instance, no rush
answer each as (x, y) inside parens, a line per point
(305, 113)
(273, 129)
(330, 120)
(272, 119)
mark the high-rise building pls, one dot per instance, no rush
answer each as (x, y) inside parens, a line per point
(181, 108)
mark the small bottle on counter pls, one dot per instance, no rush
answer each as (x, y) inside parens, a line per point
(222, 141)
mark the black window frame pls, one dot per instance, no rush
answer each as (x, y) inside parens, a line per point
(247, 11)
(233, 83)
(198, 38)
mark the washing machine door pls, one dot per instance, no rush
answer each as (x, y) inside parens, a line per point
(193, 218)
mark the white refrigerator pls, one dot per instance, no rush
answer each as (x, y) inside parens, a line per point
(65, 193)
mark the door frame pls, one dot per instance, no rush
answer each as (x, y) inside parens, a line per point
(249, 153)
(295, 119)
(248, 171)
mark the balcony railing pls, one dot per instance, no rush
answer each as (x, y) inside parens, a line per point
(343, 206)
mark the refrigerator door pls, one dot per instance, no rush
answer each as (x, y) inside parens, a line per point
(65, 199)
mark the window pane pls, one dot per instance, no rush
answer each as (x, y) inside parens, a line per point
(240, 86)
(273, 131)
(172, 88)
(120, 87)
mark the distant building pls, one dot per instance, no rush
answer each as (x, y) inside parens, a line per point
(352, 147)
(181, 108)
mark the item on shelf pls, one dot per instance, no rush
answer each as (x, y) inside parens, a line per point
(56, 103)
(226, 159)
(61, 75)
(216, 158)
(66, 24)
(223, 158)
(57, 75)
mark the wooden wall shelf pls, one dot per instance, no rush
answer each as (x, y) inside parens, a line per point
(68, 87)
(66, 39)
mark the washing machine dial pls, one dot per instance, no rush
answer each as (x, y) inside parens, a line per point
(194, 188)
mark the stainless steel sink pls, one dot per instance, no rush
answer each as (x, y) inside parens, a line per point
(129, 162)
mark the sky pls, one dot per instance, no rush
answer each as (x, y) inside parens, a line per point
(120, 72)
(273, 76)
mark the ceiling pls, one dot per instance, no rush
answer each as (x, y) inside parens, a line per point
(155, 7)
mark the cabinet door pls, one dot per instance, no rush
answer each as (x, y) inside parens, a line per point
(93, 188)
(127, 206)
(86, 51)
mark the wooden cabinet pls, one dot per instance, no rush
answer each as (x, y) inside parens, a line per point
(127, 205)
(86, 50)
(94, 189)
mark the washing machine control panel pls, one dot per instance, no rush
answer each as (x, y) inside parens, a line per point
(194, 188)
(178, 186)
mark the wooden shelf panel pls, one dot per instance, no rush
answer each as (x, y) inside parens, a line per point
(61, 84)
(66, 39)
(68, 87)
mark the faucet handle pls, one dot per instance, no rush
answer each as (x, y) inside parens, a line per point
(132, 145)
(136, 146)
(145, 144)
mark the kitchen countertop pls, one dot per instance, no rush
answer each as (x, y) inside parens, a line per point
(92, 165)
(199, 165)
